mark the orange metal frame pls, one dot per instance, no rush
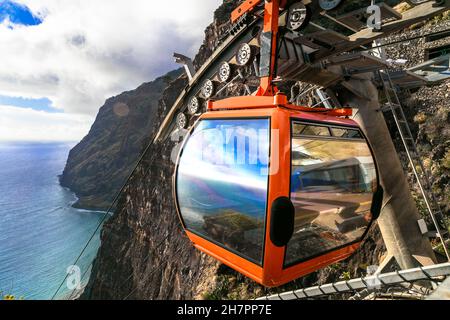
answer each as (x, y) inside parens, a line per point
(271, 16)
(272, 273)
(248, 6)
(276, 101)
(245, 7)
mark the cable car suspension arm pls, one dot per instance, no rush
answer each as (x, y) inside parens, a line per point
(269, 40)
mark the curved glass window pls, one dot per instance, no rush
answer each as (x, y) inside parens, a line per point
(222, 183)
(332, 184)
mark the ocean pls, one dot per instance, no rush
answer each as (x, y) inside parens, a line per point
(41, 235)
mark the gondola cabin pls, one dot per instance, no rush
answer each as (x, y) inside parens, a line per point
(273, 190)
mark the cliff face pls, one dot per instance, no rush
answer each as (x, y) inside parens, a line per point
(144, 252)
(100, 163)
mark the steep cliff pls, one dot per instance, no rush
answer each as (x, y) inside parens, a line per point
(144, 252)
(99, 164)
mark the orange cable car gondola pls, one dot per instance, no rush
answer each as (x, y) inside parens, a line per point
(274, 191)
(271, 189)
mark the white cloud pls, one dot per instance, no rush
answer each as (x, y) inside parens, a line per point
(88, 50)
(21, 124)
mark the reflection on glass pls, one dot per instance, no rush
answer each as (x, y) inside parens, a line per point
(346, 133)
(222, 183)
(310, 130)
(332, 185)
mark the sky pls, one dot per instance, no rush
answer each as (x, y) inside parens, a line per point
(60, 60)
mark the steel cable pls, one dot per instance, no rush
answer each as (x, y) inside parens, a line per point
(107, 213)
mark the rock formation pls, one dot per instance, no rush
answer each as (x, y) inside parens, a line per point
(100, 163)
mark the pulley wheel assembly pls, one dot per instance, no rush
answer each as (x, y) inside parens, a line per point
(329, 4)
(244, 54)
(208, 89)
(181, 121)
(298, 17)
(224, 72)
(194, 105)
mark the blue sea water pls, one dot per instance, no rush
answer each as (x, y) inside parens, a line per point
(40, 233)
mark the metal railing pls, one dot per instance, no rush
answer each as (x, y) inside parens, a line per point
(377, 281)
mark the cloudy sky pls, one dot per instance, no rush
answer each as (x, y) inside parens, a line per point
(59, 60)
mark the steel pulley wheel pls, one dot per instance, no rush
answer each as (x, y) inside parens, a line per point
(329, 4)
(181, 121)
(194, 105)
(224, 72)
(298, 17)
(208, 89)
(244, 54)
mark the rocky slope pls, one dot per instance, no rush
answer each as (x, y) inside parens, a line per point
(144, 252)
(428, 110)
(100, 163)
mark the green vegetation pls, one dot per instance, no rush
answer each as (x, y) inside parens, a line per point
(230, 285)
(442, 17)
(420, 118)
(220, 291)
(345, 276)
(234, 220)
(446, 160)
(9, 297)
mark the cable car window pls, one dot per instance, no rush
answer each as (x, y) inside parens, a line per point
(222, 184)
(308, 130)
(298, 129)
(332, 184)
(346, 133)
